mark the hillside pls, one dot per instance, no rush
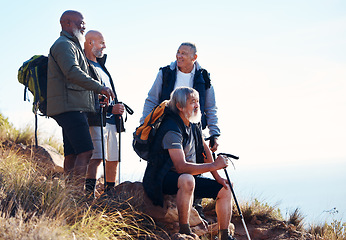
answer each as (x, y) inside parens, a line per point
(36, 204)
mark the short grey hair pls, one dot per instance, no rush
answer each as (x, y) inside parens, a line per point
(180, 96)
(191, 45)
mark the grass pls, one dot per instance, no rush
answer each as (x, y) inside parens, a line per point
(334, 231)
(37, 205)
(260, 210)
(297, 219)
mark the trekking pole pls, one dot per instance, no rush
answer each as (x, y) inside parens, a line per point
(103, 148)
(119, 152)
(234, 197)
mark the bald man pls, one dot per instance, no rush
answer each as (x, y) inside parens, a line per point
(93, 47)
(70, 95)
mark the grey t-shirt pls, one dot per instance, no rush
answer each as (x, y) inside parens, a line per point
(174, 140)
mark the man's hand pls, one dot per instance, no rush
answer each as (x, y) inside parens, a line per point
(103, 100)
(221, 162)
(118, 108)
(108, 92)
(214, 147)
(223, 182)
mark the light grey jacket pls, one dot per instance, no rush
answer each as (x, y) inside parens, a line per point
(69, 86)
(210, 104)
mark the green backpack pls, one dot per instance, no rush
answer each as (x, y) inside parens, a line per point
(33, 75)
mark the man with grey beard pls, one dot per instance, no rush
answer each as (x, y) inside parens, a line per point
(177, 158)
(70, 95)
(93, 48)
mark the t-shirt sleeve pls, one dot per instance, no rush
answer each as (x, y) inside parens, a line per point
(172, 140)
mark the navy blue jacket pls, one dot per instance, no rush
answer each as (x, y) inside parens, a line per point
(201, 82)
(94, 118)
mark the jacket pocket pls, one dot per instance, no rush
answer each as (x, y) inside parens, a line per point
(74, 87)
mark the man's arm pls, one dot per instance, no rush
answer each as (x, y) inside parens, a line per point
(182, 166)
(65, 55)
(153, 97)
(209, 158)
(210, 109)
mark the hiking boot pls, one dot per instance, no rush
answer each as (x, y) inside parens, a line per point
(230, 237)
(224, 235)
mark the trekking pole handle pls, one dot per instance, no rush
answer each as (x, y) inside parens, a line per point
(228, 155)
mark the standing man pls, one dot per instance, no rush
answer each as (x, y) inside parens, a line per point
(177, 158)
(93, 48)
(70, 94)
(186, 71)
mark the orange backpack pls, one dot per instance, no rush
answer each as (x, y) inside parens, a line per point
(145, 133)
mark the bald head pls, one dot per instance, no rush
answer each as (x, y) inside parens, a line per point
(92, 35)
(94, 45)
(72, 22)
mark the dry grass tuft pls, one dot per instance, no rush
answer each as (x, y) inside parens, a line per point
(261, 210)
(297, 219)
(334, 231)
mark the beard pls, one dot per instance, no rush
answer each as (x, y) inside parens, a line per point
(77, 33)
(97, 53)
(196, 116)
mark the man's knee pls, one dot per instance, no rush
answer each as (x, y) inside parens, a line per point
(225, 193)
(186, 182)
(86, 155)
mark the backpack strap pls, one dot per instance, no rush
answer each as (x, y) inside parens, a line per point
(168, 82)
(206, 77)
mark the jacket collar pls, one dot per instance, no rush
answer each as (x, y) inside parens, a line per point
(102, 60)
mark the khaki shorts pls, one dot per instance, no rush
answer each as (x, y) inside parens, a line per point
(110, 142)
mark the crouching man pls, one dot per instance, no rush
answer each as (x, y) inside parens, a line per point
(177, 158)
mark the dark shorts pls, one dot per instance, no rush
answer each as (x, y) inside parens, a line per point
(204, 187)
(75, 132)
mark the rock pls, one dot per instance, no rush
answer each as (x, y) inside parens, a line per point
(260, 233)
(166, 216)
(49, 157)
(179, 236)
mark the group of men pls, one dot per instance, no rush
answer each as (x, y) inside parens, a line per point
(81, 93)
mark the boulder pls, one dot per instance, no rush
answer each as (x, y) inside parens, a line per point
(49, 157)
(166, 216)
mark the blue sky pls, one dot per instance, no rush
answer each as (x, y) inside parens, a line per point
(278, 69)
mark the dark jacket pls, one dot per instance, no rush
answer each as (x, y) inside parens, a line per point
(201, 82)
(94, 118)
(159, 160)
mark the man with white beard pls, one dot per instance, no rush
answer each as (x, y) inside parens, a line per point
(179, 156)
(70, 95)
